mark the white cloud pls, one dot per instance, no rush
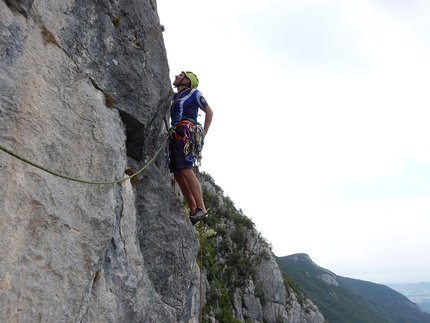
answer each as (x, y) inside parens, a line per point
(309, 96)
(318, 36)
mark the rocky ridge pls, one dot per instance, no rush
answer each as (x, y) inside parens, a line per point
(85, 92)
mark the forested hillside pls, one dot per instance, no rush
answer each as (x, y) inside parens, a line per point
(342, 299)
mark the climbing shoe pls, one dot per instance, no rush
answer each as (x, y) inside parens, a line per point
(197, 216)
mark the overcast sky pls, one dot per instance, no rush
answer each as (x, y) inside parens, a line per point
(321, 123)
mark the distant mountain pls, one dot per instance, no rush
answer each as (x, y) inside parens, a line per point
(345, 300)
(417, 293)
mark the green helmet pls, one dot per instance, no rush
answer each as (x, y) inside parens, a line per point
(194, 81)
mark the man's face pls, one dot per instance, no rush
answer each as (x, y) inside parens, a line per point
(180, 79)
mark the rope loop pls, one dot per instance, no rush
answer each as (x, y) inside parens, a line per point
(86, 181)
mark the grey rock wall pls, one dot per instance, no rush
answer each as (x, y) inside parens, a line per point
(84, 90)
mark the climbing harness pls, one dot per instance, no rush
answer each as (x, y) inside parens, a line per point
(192, 136)
(86, 181)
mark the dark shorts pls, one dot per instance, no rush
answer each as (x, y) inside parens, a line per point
(177, 157)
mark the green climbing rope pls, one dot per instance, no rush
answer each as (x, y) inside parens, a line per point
(82, 180)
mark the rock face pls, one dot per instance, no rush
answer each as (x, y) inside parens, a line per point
(84, 92)
(239, 262)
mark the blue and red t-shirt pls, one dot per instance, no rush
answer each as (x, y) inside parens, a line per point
(187, 106)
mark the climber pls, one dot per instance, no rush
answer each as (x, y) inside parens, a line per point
(184, 110)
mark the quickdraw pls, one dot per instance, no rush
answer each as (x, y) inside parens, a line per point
(194, 141)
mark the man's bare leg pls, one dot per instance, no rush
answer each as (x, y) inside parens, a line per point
(192, 190)
(185, 189)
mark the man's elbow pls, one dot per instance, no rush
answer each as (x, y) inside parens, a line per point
(208, 111)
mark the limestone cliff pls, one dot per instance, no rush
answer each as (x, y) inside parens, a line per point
(84, 92)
